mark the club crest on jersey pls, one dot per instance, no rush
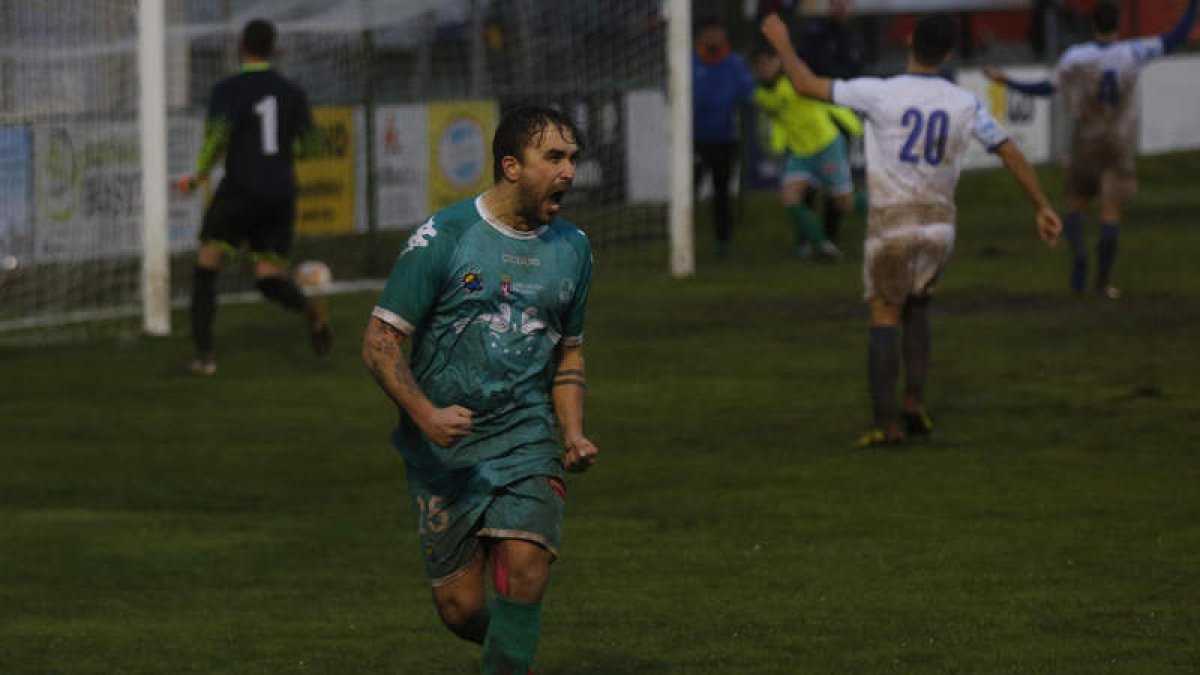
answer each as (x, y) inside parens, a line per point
(506, 286)
(472, 281)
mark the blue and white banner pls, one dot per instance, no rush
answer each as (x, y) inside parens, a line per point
(16, 193)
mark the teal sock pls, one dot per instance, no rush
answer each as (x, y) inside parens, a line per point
(512, 636)
(808, 227)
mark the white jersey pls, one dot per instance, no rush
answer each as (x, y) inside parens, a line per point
(917, 130)
(1098, 82)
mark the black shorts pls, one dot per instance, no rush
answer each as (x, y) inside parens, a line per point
(235, 217)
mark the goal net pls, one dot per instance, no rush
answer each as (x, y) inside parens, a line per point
(407, 93)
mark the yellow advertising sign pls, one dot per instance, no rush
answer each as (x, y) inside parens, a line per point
(998, 101)
(325, 182)
(460, 149)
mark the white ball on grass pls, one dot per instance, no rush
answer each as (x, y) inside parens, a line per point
(313, 276)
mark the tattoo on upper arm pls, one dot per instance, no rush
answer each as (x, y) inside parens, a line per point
(380, 341)
(384, 344)
(404, 374)
(387, 361)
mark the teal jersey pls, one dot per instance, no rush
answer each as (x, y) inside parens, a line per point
(486, 306)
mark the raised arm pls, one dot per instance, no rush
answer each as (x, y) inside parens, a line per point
(1048, 224)
(384, 355)
(1039, 88)
(567, 392)
(801, 76)
(1179, 34)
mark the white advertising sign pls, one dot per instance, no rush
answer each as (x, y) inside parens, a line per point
(648, 166)
(1170, 109)
(88, 186)
(1026, 119)
(87, 182)
(401, 166)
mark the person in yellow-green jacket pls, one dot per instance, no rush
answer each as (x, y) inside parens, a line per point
(810, 132)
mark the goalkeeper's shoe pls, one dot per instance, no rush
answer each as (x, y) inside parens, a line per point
(319, 331)
(917, 422)
(203, 364)
(875, 438)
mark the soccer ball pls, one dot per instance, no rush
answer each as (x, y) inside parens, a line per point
(313, 276)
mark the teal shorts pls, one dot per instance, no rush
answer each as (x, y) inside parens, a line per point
(828, 169)
(456, 511)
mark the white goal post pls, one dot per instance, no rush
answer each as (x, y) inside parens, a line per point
(681, 208)
(152, 123)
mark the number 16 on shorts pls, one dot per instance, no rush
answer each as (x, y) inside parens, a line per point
(432, 517)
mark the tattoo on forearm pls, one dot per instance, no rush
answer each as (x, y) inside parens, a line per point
(570, 381)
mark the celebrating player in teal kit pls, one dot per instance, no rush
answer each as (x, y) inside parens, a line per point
(492, 292)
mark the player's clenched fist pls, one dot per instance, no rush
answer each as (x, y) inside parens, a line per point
(581, 454)
(447, 426)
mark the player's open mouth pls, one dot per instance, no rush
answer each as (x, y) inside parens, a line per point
(554, 202)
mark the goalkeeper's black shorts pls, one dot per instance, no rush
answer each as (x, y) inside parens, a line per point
(235, 217)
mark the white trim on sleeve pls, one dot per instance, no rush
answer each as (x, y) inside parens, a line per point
(393, 319)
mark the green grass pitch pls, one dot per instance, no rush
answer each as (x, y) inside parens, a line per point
(256, 522)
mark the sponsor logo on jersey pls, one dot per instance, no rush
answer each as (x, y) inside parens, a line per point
(521, 260)
(472, 281)
(420, 238)
(506, 286)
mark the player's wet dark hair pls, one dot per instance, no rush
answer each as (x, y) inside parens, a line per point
(521, 126)
(934, 39)
(1106, 16)
(258, 38)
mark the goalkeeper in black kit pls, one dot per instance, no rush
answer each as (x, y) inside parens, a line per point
(259, 122)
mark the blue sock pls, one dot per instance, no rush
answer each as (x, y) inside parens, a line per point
(1106, 250)
(1073, 231)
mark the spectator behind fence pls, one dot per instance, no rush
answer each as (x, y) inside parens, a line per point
(721, 83)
